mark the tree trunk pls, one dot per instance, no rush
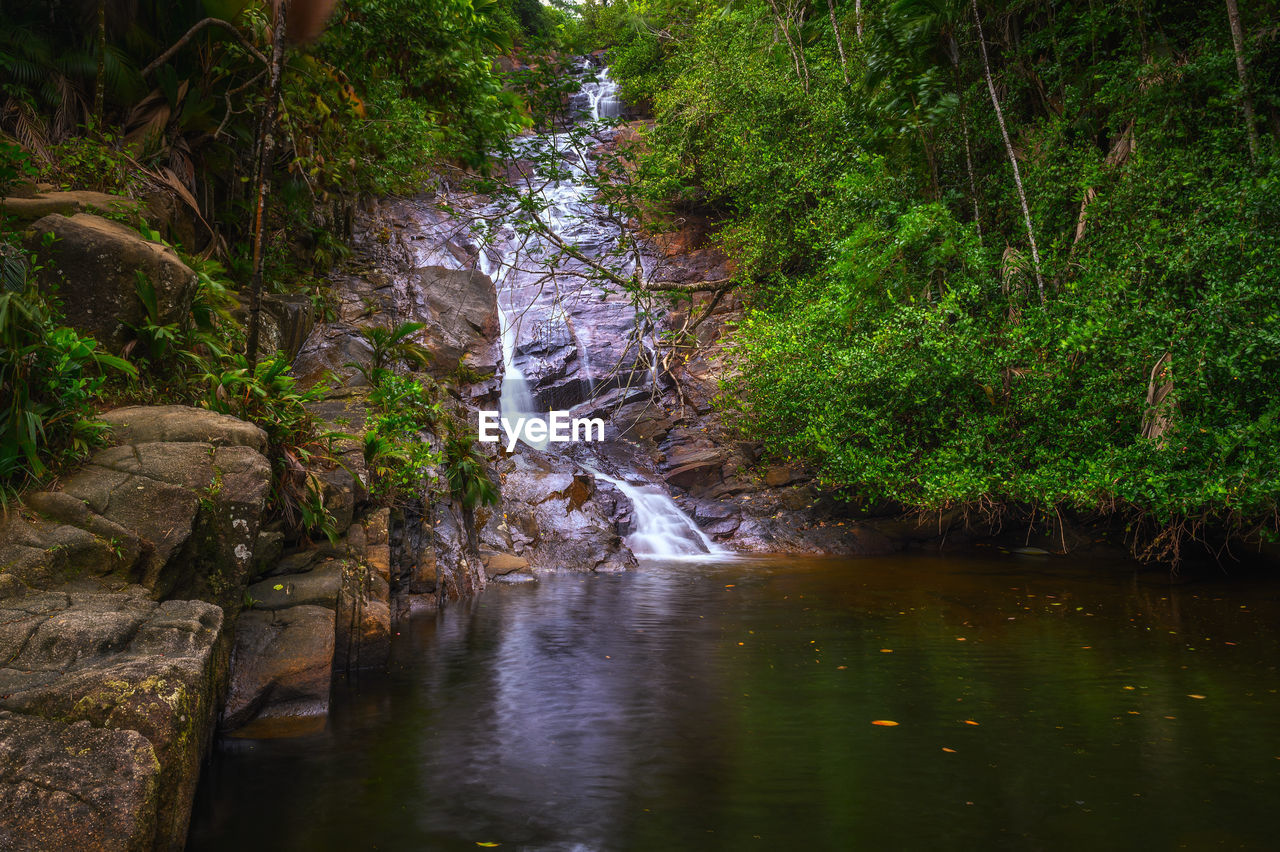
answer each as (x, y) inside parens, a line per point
(100, 84)
(266, 143)
(1246, 100)
(968, 163)
(857, 17)
(835, 28)
(1008, 147)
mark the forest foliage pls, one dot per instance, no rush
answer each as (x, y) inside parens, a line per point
(918, 331)
(141, 97)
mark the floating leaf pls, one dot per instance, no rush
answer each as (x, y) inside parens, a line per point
(885, 723)
(485, 843)
(970, 722)
(1193, 695)
(278, 586)
(948, 750)
(886, 650)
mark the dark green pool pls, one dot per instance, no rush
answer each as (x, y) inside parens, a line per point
(1040, 705)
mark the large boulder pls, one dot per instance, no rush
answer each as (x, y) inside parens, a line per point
(197, 506)
(94, 265)
(177, 510)
(37, 205)
(149, 424)
(147, 674)
(553, 516)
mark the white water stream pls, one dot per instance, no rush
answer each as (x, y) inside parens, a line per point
(659, 527)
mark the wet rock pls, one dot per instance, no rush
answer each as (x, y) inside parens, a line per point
(363, 619)
(282, 665)
(317, 587)
(696, 476)
(554, 515)
(94, 264)
(501, 564)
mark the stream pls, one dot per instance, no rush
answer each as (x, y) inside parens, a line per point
(713, 701)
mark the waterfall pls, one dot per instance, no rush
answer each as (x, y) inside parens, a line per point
(660, 528)
(603, 97)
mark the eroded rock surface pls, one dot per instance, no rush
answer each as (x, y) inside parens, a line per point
(144, 677)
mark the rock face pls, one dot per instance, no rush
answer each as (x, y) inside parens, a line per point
(75, 787)
(460, 308)
(94, 265)
(554, 516)
(133, 685)
(97, 656)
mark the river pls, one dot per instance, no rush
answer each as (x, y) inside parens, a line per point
(730, 704)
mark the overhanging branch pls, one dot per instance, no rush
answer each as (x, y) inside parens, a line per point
(191, 33)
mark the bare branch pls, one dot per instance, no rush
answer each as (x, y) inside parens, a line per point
(191, 33)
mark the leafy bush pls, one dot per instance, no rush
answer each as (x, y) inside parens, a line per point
(896, 337)
(50, 378)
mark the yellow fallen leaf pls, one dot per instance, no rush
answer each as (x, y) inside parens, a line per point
(948, 750)
(886, 650)
(483, 843)
(970, 722)
(1193, 695)
(884, 723)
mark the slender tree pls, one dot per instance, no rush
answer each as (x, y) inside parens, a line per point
(266, 144)
(1008, 147)
(1242, 71)
(835, 28)
(100, 84)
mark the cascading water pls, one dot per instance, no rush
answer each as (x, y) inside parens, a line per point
(603, 95)
(660, 528)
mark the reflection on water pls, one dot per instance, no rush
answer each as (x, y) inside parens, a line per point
(729, 706)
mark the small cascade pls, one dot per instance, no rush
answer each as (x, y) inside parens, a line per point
(602, 95)
(659, 528)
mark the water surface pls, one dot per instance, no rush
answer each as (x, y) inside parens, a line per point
(692, 705)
